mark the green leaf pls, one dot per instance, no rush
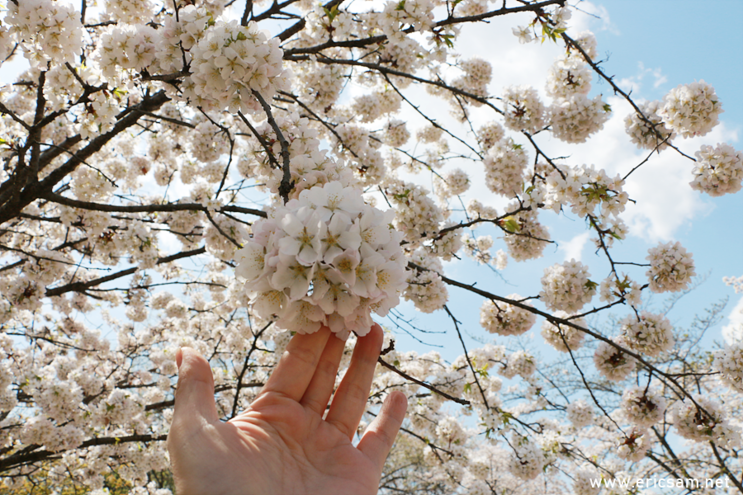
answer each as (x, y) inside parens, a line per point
(506, 417)
(331, 13)
(119, 93)
(448, 40)
(241, 36)
(511, 225)
(607, 108)
(590, 285)
(400, 5)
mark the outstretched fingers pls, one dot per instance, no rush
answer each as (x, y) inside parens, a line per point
(321, 387)
(297, 365)
(350, 399)
(380, 435)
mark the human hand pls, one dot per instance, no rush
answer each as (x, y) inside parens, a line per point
(281, 445)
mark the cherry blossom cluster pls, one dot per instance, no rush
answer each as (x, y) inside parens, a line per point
(232, 61)
(479, 250)
(642, 133)
(100, 114)
(447, 245)
(360, 151)
(179, 35)
(562, 337)
(426, 289)
(127, 47)
(643, 406)
(566, 287)
(523, 109)
(691, 109)
(309, 166)
(505, 164)
(703, 420)
(506, 319)
(129, 11)
(329, 239)
(649, 333)
(519, 363)
(718, 170)
(417, 216)
(580, 413)
(50, 31)
(396, 133)
(528, 459)
(6, 43)
(587, 190)
(671, 267)
(574, 119)
(453, 183)
(568, 77)
(586, 40)
(397, 15)
(615, 287)
(477, 74)
(489, 134)
(611, 362)
(729, 362)
(527, 237)
(633, 443)
(371, 106)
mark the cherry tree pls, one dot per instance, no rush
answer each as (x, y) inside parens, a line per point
(221, 174)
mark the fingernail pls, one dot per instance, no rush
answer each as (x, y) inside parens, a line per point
(178, 358)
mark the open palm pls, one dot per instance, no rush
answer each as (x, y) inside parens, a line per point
(281, 444)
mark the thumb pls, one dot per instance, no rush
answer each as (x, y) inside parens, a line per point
(194, 397)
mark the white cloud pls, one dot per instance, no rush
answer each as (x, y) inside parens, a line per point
(592, 17)
(573, 248)
(664, 200)
(660, 79)
(733, 331)
(634, 83)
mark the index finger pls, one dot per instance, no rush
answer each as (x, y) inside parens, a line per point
(292, 375)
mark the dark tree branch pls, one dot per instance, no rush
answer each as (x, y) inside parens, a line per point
(83, 286)
(286, 180)
(422, 383)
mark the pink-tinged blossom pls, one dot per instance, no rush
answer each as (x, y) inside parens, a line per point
(327, 250)
(304, 235)
(251, 261)
(293, 276)
(342, 235)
